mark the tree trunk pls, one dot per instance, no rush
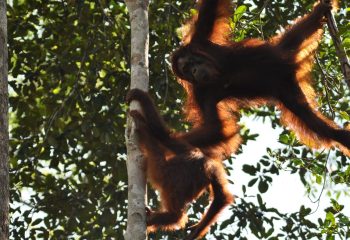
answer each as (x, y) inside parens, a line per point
(136, 228)
(4, 137)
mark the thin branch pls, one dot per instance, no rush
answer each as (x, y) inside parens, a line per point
(325, 83)
(344, 61)
(323, 186)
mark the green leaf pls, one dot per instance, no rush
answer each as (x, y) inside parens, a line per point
(263, 186)
(330, 217)
(252, 182)
(251, 170)
(36, 221)
(239, 12)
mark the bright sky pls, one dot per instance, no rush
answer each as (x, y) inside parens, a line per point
(286, 193)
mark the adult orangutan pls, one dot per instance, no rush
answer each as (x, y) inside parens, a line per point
(214, 69)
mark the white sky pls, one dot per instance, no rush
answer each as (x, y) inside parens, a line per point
(286, 193)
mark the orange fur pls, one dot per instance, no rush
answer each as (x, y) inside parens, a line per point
(292, 51)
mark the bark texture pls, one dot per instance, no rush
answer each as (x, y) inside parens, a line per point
(4, 136)
(136, 227)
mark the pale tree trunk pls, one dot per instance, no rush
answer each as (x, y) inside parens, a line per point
(136, 227)
(4, 137)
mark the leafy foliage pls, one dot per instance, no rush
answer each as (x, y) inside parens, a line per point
(69, 72)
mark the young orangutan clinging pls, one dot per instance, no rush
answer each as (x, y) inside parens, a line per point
(179, 171)
(213, 69)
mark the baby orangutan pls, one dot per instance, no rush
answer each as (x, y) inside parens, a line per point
(179, 171)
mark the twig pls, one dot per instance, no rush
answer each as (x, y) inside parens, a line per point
(323, 187)
(326, 87)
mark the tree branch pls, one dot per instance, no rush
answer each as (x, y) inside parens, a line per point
(344, 61)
